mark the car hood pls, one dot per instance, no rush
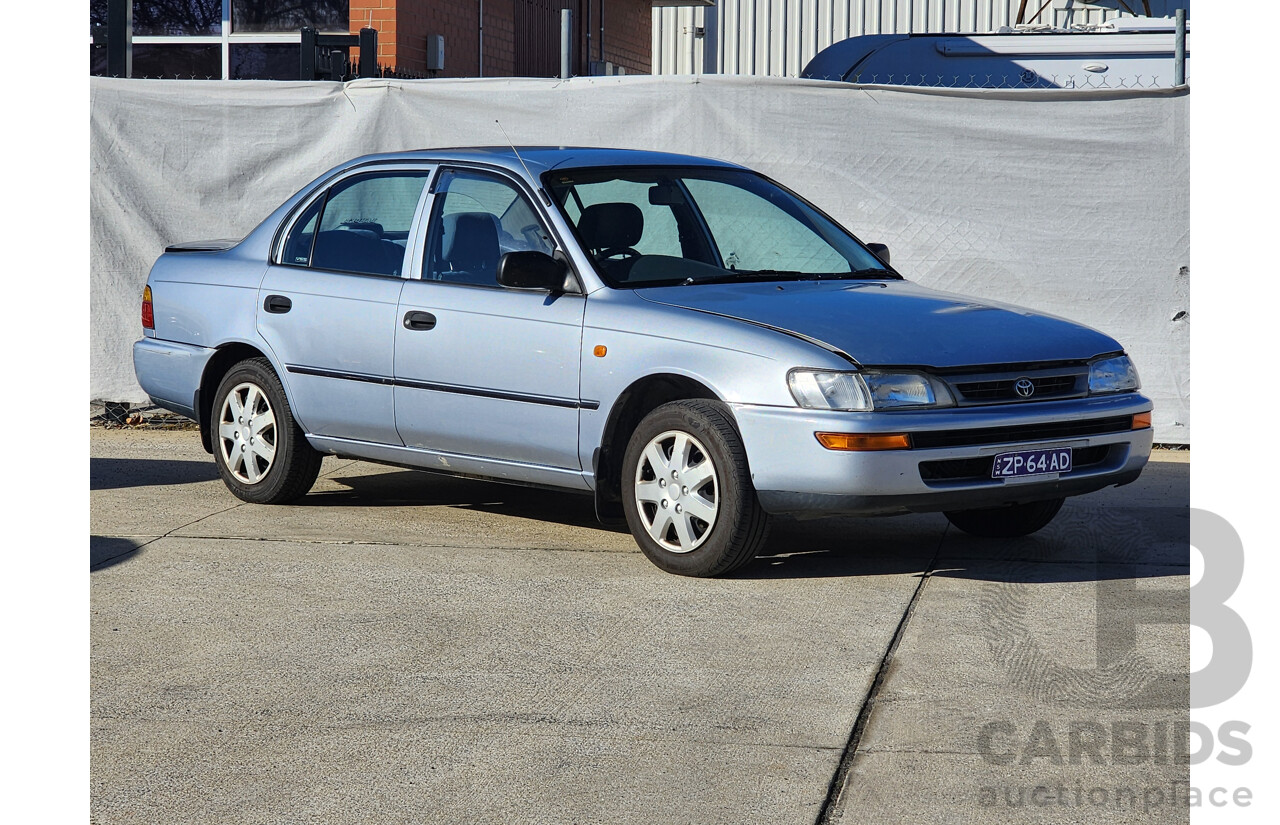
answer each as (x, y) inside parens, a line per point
(895, 322)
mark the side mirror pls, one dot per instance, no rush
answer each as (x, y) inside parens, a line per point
(533, 270)
(880, 251)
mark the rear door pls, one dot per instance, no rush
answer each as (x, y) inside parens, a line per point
(481, 369)
(327, 306)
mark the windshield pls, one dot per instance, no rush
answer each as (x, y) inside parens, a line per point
(660, 226)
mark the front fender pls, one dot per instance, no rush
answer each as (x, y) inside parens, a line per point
(737, 362)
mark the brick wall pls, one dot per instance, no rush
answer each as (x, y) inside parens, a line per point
(499, 38)
(627, 33)
(382, 15)
(457, 20)
(403, 26)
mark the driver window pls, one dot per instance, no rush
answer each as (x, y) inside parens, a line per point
(476, 218)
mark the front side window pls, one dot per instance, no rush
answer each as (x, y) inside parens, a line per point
(361, 225)
(656, 226)
(476, 218)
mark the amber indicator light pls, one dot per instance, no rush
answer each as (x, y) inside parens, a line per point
(862, 442)
(600, 351)
(1142, 421)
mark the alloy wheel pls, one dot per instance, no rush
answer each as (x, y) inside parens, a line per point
(247, 433)
(677, 491)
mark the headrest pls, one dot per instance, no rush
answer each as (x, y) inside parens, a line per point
(471, 241)
(367, 226)
(611, 225)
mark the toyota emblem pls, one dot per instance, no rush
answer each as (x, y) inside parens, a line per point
(1024, 387)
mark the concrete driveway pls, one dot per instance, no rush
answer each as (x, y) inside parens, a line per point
(400, 647)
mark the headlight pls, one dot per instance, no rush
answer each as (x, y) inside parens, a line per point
(1113, 375)
(868, 390)
(828, 390)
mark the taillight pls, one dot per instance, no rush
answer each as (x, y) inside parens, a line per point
(148, 315)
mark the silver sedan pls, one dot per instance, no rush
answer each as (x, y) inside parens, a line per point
(687, 341)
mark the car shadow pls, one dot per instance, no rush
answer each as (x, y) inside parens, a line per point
(108, 551)
(1061, 553)
(1094, 538)
(122, 473)
(416, 488)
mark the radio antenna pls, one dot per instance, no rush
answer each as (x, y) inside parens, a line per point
(545, 197)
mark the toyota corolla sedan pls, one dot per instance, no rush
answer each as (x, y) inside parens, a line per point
(686, 340)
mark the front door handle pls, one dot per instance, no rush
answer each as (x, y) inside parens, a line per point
(277, 304)
(419, 320)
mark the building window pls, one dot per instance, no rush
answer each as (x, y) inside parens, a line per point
(227, 39)
(289, 15)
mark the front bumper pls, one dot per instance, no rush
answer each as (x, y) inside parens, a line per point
(795, 475)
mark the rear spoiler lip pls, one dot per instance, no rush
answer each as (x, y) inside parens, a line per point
(219, 245)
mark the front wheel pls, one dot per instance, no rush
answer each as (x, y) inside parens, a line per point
(261, 453)
(687, 491)
(1006, 522)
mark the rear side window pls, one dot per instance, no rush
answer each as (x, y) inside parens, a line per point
(361, 225)
(297, 248)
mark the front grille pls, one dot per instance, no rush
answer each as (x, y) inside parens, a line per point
(1046, 387)
(1025, 432)
(973, 469)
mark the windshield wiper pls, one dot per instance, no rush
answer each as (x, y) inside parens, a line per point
(871, 272)
(737, 275)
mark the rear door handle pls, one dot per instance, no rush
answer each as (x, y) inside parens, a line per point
(277, 304)
(419, 320)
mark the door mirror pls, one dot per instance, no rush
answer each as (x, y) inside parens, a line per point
(880, 251)
(534, 270)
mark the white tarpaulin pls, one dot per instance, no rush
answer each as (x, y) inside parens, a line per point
(1074, 203)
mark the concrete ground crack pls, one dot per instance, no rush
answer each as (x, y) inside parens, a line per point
(833, 805)
(370, 543)
(107, 561)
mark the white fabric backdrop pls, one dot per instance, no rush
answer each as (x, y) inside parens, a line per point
(1075, 203)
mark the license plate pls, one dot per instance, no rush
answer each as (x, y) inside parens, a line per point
(1032, 463)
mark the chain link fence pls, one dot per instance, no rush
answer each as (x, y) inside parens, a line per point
(1027, 79)
(353, 73)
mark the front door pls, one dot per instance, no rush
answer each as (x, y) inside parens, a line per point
(484, 370)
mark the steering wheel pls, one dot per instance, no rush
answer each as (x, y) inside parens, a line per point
(623, 252)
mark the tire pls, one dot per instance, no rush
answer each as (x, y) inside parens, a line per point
(719, 525)
(263, 458)
(1006, 522)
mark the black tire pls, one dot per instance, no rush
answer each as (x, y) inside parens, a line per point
(738, 526)
(294, 463)
(1006, 522)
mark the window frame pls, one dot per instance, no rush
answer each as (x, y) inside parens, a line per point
(428, 170)
(228, 38)
(427, 225)
(547, 179)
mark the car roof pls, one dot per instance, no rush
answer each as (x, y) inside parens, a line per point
(541, 159)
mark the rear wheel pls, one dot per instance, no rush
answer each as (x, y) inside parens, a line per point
(687, 491)
(261, 452)
(1006, 522)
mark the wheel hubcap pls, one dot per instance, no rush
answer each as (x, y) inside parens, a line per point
(677, 491)
(247, 433)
